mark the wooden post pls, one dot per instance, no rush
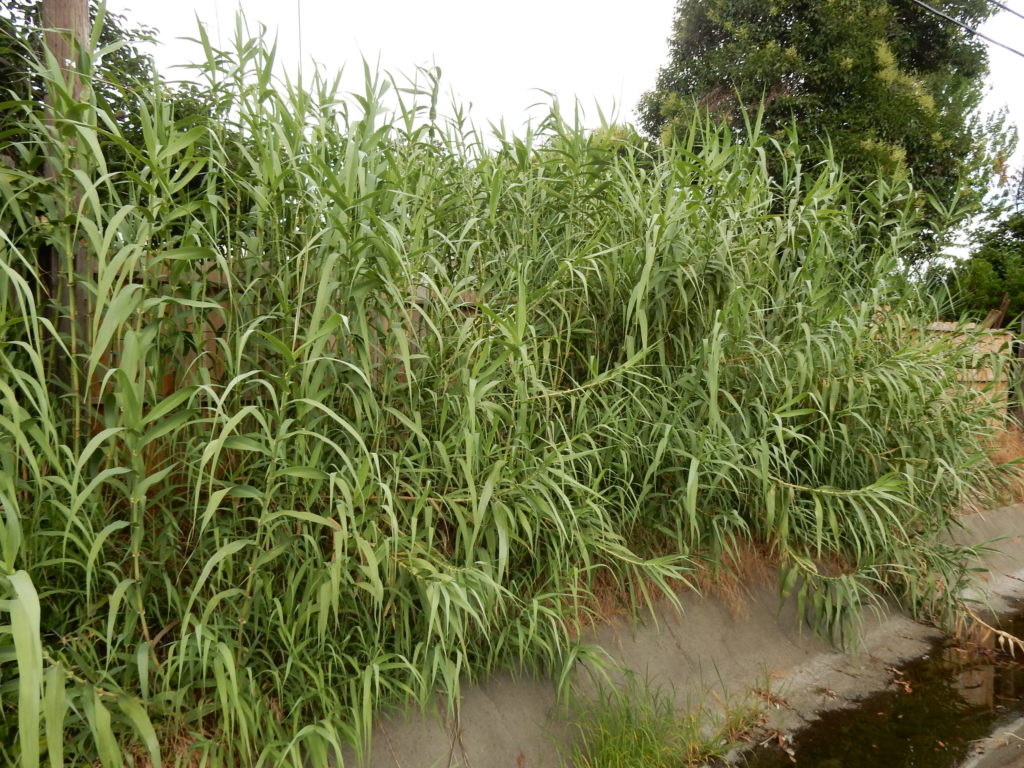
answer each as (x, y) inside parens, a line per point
(1017, 376)
(66, 25)
(995, 317)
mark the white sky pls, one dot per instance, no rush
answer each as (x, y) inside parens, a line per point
(497, 56)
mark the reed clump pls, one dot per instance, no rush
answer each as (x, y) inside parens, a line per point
(364, 403)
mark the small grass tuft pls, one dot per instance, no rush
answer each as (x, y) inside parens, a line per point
(637, 726)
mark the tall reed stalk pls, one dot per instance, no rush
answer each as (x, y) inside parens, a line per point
(373, 404)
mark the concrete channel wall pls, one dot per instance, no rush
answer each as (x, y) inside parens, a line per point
(709, 655)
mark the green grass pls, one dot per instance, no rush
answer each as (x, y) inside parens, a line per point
(637, 726)
(358, 406)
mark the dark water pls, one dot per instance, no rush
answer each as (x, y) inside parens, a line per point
(956, 694)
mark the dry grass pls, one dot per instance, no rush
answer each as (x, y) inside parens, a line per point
(731, 580)
(728, 579)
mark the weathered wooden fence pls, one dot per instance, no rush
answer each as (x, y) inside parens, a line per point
(987, 374)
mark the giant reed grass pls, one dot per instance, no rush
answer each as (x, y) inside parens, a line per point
(366, 405)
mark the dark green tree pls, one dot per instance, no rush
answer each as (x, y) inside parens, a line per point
(994, 272)
(115, 79)
(889, 83)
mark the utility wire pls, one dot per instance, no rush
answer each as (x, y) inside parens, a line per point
(298, 15)
(973, 31)
(1006, 8)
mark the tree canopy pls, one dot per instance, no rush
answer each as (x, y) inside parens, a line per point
(115, 77)
(994, 272)
(890, 83)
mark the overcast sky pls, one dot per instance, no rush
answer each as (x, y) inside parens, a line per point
(497, 56)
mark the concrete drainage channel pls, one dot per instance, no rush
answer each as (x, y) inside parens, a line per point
(712, 653)
(961, 704)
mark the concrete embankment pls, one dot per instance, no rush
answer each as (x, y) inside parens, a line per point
(711, 653)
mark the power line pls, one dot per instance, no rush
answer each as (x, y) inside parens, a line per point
(298, 15)
(1006, 8)
(973, 31)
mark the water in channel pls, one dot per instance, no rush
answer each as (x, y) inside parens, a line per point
(940, 703)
